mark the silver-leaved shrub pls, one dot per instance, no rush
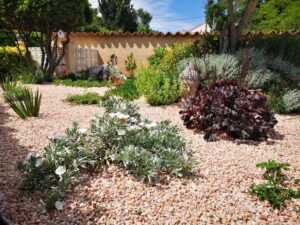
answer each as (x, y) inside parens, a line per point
(119, 136)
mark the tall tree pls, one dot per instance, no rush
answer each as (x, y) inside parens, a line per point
(231, 18)
(144, 19)
(118, 15)
(46, 18)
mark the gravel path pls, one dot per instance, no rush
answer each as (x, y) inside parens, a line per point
(217, 194)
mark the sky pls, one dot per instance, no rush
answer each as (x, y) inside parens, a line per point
(171, 15)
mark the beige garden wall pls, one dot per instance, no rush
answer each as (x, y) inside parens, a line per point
(90, 49)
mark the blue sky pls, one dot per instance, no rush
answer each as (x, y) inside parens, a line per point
(172, 15)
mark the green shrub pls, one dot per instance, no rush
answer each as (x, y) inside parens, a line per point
(81, 83)
(273, 190)
(163, 90)
(291, 101)
(127, 90)
(158, 55)
(120, 136)
(173, 56)
(23, 101)
(159, 88)
(89, 98)
(16, 66)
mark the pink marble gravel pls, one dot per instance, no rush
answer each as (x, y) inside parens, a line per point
(216, 194)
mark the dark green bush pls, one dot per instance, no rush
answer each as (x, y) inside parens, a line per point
(89, 98)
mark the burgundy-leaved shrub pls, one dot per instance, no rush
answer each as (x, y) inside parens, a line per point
(226, 109)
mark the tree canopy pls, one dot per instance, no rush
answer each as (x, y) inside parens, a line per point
(277, 15)
(120, 15)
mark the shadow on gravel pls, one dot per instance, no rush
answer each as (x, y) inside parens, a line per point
(10, 153)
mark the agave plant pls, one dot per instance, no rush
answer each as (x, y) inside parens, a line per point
(23, 101)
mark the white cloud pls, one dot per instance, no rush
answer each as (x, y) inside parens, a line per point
(163, 17)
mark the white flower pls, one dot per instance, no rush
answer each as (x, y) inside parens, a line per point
(82, 130)
(150, 125)
(59, 205)
(133, 120)
(60, 170)
(39, 162)
(121, 132)
(134, 127)
(119, 115)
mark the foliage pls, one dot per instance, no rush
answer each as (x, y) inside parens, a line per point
(22, 100)
(159, 88)
(143, 147)
(45, 17)
(286, 46)
(120, 15)
(120, 136)
(130, 64)
(207, 44)
(155, 59)
(89, 98)
(57, 168)
(15, 65)
(291, 101)
(214, 67)
(277, 15)
(227, 109)
(127, 90)
(81, 83)
(173, 56)
(230, 18)
(274, 190)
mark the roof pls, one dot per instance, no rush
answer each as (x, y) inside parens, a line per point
(201, 28)
(137, 34)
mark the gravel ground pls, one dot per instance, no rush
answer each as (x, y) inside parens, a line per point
(216, 194)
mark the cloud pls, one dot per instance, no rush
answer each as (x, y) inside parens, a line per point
(164, 19)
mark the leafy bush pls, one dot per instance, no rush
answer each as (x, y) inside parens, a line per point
(173, 56)
(274, 190)
(89, 98)
(23, 101)
(16, 66)
(225, 108)
(158, 55)
(291, 101)
(57, 168)
(120, 136)
(81, 83)
(127, 90)
(158, 88)
(143, 147)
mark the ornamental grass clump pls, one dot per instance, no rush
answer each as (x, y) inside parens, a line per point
(148, 150)
(225, 109)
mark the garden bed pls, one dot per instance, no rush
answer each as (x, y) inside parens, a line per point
(215, 194)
